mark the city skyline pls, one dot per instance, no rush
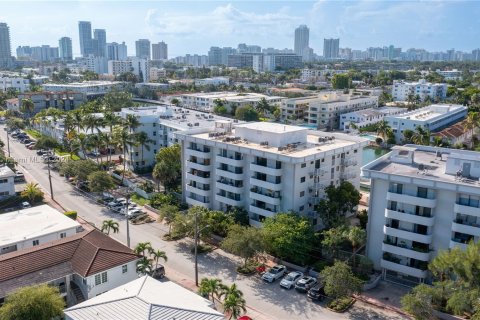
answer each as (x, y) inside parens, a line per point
(193, 27)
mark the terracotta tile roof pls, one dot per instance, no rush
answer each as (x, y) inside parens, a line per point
(88, 252)
(454, 131)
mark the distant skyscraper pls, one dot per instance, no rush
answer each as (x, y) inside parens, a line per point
(5, 47)
(117, 51)
(100, 37)
(85, 35)
(142, 47)
(331, 48)
(302, 35)
(65, 48)
(160, 51)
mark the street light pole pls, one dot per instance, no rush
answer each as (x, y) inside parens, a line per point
(50, 178)
(196, 249)
(8, 143)
(126, 215)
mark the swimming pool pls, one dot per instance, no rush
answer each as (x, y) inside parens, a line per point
(310, 126)
(370, 137)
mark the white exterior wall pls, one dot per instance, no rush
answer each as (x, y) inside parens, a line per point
(401, 90)
(7, 188)
(18, 84)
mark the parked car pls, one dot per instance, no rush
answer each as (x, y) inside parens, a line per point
(134, 213)
(42, 152)
(25, 140)
(25, 205)
(274, 273)
(50, 158)
(305, 283)
(316, 293)
(291, 279)
(159, 272)
(19, 177)
(31, 146)
(93, 153)
(107, 197)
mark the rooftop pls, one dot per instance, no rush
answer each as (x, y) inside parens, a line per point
(85, 253)
(232, 96)
(33, 222)
(431, 163)
(430, 112)
(84, 84)
(146, 298)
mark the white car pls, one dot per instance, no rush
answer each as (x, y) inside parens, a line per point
(291, 279)
(274, 273)
(134, 213)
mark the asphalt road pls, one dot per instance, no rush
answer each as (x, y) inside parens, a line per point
(269, 300)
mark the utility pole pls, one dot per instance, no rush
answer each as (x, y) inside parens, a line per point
(196, 249)
(127, 194)
(50, 177)
(8, 143)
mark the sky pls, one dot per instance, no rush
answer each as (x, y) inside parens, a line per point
(195, 26)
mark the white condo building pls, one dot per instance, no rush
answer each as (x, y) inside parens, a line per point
(7, 183)
(436, 91)
(324, 110)
(14, 83)
(433, 118)
(86, 87)
(366, 117)
(423, 200)
(264, 167)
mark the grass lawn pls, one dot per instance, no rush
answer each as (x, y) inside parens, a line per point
(34, 133)
(63, 153)
(139, 200)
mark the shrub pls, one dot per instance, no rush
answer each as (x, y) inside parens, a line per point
(320, 265)
(71, 214)
(341, 304)
(246, 270)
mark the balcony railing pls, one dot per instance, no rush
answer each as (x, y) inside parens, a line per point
(414, 248)
(266, 193)
(232, 184)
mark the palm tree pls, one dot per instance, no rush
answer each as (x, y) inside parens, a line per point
(110, 225)
(157, 254)
(357, 237)
(124, 140)
(32, 192)
(144, 141)
(472, 122)
(383, 129)
(78, 119)
(234, 303)
(83, 142)
(263, 106)
(111, 119)
(96, 141)
(144, 266)
(131, 122)
(164, 173)
(142, 248)
(91, 122)
(27, 106)
(211, 288)
(108, 142)
(421, 136)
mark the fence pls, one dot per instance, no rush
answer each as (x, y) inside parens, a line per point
(130, 184)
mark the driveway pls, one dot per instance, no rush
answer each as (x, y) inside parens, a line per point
(265, 301)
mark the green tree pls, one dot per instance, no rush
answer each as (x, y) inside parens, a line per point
(234, 304)
(33, 303)
(144, 142)
(168, 213)
(157, 255)
(211, 288)
(421, 136)
(109, 225)
(419, 302)
(32, 192)
(27, 107)
(332, 240)
(124, 139)
(168, 166)
(357, 238)
(277, 114)
(383, 129)
(246, 113)
(116, 100)
(288, 236)
(407, 136)
(143, 248)
(145, 266)
(15, 123)
(340, 281)
(339, 201)
(45, 142)
(243, 241)
(219, 107)
(100, 181)
(341, 81)
(263, 106)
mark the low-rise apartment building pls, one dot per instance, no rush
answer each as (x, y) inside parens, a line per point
(215, 81)
(82, 266)
(265, 168)
(16, 84)
(206, 101)
(423, 200)
(434, 118)
(366, 117)
(7, 183)
(401, 90)
(26, 228)
(59, 100)
(90, 88)
(324, 110)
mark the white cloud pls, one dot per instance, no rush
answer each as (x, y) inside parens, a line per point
(226, 20)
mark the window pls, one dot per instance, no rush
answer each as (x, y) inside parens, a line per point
(36, 242)
(301, 208)
(98, 279)
(125, 268)
(104, 277)
(302, 194)
(154, 133)
(302, 179)
(63, 235)
(304, 165)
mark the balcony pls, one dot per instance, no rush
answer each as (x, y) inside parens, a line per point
(461, 226)
(265, 169)
(197, 153)
(456, 243)
(228, 174)
(409, 217)
(405, 251)
(463, 209)
(414, 200)
(233, 161)
(394, 266)
(196, 190)
(264, 197)
(198, 166)
(406, 234)
(194, 202)
(230, 187)
(263, 212)
(228, 201)
(193, 177)
(266, 184)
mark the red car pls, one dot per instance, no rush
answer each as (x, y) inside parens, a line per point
(245, 318)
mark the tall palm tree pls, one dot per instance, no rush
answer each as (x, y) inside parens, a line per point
(32, 192)
(142, 248)
(211, 288)
(421, 136)
(96, 141)
(383, 129)
(111, 119)
(84, 143)
(78, 119)
(27, 107)
(144, 266)
(108, 142)
(472, 122)
(125, 140)
(357, 237)
(157, 254)
(131, 122)
(91, 122)
(110, 225)
(234, 303)
(143, 141)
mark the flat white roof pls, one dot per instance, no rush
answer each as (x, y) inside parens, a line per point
(6, 172)
(271, 127)
(430, 112)
(146, 298)
(31, 223)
